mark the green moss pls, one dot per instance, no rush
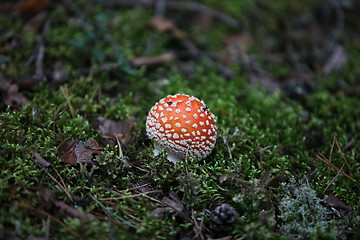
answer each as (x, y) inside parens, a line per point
(263, 138)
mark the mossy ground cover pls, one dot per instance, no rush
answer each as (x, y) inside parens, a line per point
(266, 161)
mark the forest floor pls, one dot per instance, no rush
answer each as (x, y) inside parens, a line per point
(78, 78)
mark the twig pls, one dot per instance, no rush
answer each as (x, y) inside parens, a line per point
(340, 19)
(227, 146)
(348, 145)
(129, 196)
(343, 156)
(64, 90)
(42, 212)
(261, 152)
(104, 208)
(168, 205)
(160, 7)
(197, 228)
(38, 55)
(121, 154)
(152, 61)
(130, 189)
(332, 148)
(57, 116)
(61, 185)
(194, 52)
(336, 176)
(324, 159)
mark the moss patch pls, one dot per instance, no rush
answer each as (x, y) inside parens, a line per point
(265, 140)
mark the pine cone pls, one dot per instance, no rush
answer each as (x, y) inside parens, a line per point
(222, 218)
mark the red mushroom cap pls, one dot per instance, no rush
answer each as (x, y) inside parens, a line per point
(183, 126)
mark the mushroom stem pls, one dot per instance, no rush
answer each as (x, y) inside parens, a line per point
(171, 156)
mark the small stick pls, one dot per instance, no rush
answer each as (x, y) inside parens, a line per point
(197, 228)
(343, 156)
(336, 176)
(65, 92)
(121, 155)
(63, 187)
(130, 196)
(67, 228)
(133, 188)
(323, 158)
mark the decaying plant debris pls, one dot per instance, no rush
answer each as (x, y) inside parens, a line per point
(77, 79)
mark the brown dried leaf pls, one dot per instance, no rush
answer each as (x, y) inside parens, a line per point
(35, 24)
(174, 202)
(14, 98)
(152, 61)
(73, 152)
(86, 151)
(27, 8)
(333, 201)
(121, 129)
(162, 24)
(66, 151)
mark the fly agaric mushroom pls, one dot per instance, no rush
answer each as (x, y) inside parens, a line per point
(182, 126)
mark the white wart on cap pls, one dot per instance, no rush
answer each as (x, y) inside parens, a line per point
(183, 126)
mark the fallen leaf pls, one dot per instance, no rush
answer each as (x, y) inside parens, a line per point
(171, 203)
(28, 8)
(121, 130)
(162, 24)
(174, 202)
(66, 151)
(35, 24)
(86, 151)
(152, 61)
(333, 201)
(14, 98)
(73, 152)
